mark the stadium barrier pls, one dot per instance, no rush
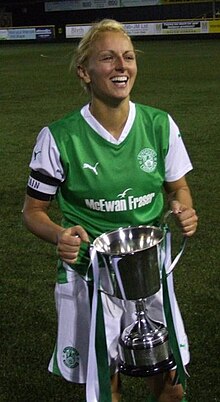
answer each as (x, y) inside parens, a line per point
(135, 29)
(37, 33)
(155, 28)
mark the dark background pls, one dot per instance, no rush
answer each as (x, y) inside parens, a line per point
(31, 12)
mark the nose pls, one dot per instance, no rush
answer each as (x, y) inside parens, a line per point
(120, 63)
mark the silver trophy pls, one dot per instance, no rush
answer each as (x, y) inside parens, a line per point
(130, 258)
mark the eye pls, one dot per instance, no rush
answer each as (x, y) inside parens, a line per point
(106, 57)
(129, 56)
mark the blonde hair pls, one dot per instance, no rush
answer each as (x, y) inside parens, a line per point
(84, 48)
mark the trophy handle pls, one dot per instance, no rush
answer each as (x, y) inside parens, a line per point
(167, 215)
(182, 245)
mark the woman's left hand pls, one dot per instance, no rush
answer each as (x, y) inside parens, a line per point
(186, 217)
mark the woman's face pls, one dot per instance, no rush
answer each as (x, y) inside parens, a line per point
(111, 68)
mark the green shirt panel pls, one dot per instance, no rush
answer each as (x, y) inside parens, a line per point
(106, 185)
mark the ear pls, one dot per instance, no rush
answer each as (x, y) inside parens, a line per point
(83, 74)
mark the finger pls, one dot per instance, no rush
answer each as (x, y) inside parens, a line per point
(64, 247)
(187, 216)
(67, 240)
(189, 233)
(176, 207)
(68, 256)
(79, 231)
(189, 229)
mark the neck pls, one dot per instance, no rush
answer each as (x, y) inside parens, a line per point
(112, 118)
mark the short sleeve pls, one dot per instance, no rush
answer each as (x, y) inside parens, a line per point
(46, 168)
(177, 161)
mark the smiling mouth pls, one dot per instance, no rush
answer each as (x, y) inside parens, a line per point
(120, 80)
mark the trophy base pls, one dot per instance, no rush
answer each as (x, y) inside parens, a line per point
(147, 371)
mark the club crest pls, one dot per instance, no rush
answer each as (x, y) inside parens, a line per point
(147, 159)
(70, 357)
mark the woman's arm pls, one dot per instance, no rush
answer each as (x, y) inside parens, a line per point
(180, 200)
(37, 220)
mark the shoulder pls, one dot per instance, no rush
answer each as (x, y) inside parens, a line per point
(150, 111)
(66, 121)
(68, 127)
(154, 118)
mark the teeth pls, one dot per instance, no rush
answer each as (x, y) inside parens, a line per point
(120, 79)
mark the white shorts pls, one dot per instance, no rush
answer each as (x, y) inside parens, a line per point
(73, 309)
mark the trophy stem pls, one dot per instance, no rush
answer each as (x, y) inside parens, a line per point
(143, 347)
(144, 323)
(140, 305)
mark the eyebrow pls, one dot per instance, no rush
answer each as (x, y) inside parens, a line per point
(113, 51)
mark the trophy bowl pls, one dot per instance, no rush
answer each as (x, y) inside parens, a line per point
(130, 256)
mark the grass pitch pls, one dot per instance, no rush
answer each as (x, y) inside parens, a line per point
(181, 77)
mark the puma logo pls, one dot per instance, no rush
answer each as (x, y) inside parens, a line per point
(36, 153)
(93, 168)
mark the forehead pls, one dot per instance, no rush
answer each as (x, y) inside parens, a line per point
(113, 41)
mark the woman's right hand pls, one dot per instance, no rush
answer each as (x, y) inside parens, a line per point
(69, 241)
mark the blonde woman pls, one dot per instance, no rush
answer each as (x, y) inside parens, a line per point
(109, 149)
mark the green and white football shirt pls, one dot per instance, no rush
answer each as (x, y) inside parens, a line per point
(101, 183)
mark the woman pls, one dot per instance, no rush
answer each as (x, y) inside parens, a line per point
(110, 150)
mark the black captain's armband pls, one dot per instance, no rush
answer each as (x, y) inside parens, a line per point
(42, 187)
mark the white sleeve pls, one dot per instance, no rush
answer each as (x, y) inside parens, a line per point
(46, 157)
(177, 161)
(46, 168)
